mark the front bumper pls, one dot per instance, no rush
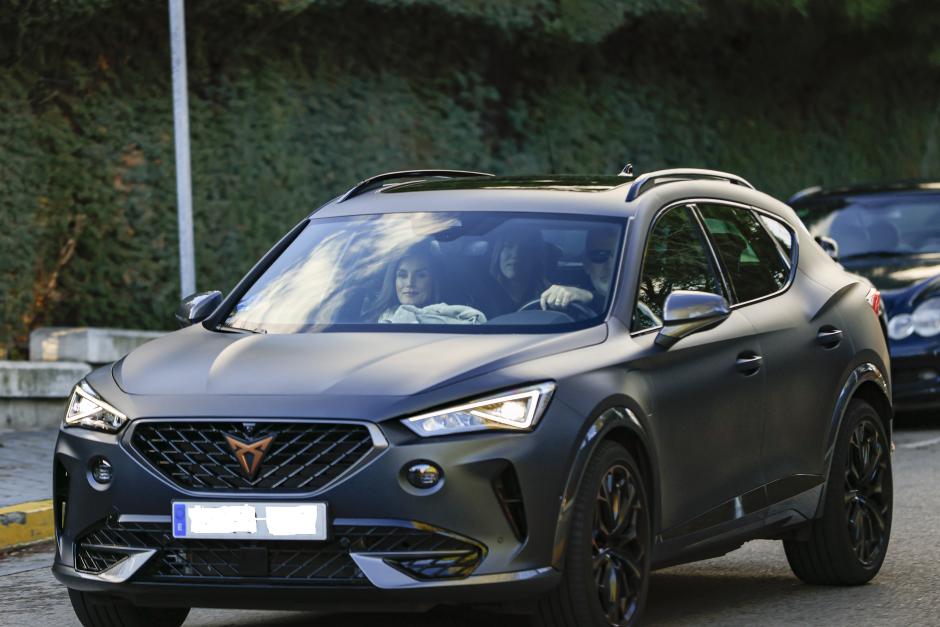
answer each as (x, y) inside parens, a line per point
(915, 376)
(482, 589)
(466, 509)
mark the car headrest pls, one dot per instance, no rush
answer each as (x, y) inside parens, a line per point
(729, 245)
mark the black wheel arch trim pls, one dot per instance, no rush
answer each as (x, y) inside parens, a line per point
(616, 414)
(863, 373)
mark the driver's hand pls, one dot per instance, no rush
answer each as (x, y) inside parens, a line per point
(560, 296)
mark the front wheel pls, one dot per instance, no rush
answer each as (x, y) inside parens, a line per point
(606, 573)
(99, 610)
(848, 544)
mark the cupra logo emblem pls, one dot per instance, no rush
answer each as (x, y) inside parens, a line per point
(249, 454)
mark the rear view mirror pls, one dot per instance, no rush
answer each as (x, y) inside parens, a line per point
(685, 313)
(197, 307)
(829, 245)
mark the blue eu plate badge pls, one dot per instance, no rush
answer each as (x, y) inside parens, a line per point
(179, 520)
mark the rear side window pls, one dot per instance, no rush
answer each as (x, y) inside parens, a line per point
(782, 234)
(676, 259)
(758, 263)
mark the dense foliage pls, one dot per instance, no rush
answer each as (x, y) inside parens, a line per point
(292, 101)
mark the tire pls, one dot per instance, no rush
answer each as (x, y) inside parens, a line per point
(596, 561)
(847, 545)
(99, 610)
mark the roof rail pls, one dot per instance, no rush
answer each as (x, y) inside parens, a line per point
(371, 182)
(646, 181)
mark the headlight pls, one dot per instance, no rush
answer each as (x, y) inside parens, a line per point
(86, 409)
(517, 411)
(926, 318)
(900, 327)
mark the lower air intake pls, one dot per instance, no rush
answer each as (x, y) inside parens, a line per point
(506, 486)
(421, 551)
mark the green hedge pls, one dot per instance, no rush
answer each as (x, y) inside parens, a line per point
(293, 101)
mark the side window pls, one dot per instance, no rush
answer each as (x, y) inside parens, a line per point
(676, 259)
(782, 234)
(755, 260)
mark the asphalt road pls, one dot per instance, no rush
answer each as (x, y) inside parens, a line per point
(750, 586)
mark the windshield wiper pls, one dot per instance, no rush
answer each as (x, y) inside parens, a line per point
(876, 253)
(222, 327)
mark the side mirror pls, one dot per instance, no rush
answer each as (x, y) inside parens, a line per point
(686, 313)
(197, 307)
(829, 245)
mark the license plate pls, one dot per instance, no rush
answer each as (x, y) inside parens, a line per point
(256, 521)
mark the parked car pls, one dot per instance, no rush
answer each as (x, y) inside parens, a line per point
(890, 234)
(448, 387)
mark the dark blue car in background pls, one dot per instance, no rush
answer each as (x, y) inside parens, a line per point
(890, 234)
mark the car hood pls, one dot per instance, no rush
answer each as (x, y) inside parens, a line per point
(896, 273)
(196, 361)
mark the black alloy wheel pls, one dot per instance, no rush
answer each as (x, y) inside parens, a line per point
(848, 543)
(606, 571)
(865, 506)
(617, 551)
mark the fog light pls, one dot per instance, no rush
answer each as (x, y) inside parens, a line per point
(423, 474)
(101, 470)
(927, 375)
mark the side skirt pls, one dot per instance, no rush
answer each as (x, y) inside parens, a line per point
(772, 511)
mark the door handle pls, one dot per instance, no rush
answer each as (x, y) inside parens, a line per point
(829, 337)
(748, 363)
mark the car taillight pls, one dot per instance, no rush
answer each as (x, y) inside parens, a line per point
(873, 298)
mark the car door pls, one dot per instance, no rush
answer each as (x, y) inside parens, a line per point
(803, 349)
(707, 389)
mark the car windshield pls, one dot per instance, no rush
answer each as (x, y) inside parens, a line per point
(475, 272)
(877, 224)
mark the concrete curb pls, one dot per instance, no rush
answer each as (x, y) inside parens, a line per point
(25, 523)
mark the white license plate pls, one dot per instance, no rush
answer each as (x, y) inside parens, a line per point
(257, 521)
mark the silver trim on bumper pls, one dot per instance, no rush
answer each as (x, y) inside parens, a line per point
(123, 570)
(381, 575)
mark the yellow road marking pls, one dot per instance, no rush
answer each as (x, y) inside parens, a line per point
(25, 523)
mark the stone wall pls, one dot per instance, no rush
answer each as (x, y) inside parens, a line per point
(34, 393)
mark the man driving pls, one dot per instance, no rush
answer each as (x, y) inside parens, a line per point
(599, 260)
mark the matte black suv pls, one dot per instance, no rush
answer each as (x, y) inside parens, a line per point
(449, 387)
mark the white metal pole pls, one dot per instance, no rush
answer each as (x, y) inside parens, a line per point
(184, 191)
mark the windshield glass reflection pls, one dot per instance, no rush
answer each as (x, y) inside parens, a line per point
(463, 272)
(878, 224)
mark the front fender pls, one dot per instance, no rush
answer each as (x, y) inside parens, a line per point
(610, 421)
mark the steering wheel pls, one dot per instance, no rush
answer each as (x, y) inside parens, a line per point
(583, 311)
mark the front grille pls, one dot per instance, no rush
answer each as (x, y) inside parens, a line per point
(924, 376)
(302, 457)
(326, 562)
